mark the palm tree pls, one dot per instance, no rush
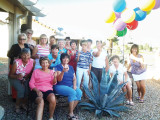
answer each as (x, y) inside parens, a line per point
(115, 39)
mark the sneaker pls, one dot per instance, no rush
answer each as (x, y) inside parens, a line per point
(127, 102)
(131, 103)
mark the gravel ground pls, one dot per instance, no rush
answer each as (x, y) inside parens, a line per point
(149, 110)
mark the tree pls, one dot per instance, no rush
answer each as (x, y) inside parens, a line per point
(115, 39)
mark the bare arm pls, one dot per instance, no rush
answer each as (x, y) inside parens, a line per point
(126, 76)
(74, 82)
(78, 56)
(129, 66)
(107, 64)
(34, 53)
(60, 75)
(13, 74)
(96, 54)
(54, 81)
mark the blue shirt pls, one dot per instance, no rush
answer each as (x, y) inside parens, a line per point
(63, 50)
(57, 61)
(85, 59)
(67, 76)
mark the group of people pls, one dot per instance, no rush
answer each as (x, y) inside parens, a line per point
(62, 69)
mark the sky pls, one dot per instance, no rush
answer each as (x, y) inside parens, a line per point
(86, 18)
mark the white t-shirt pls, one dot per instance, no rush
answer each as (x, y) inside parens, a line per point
(121, 70)
(99, 62)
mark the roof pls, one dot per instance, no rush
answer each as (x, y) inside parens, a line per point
(30, 5)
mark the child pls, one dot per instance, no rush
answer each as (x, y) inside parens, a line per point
(122, 76)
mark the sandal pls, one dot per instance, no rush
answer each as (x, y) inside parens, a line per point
(141, 101)
(17, 109)
(72, 117)
(24, 107)
(137, 98)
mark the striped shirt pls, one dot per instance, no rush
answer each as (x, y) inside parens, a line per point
(85, 59)
(41, 52)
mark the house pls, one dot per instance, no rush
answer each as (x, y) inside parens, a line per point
(14, 15)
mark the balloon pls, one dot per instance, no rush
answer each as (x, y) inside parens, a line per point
(111, 17)
(112, 33)
(118, 15)
(157, 5)
(128, 15)
(140, 15)
(122, 33)
(148, 12)
(133, 25)
(147, 5)
(119, 24)
(119, 5)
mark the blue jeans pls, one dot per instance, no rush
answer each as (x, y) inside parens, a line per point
(73, 95)
(82, 73)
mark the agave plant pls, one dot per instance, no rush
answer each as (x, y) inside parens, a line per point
(105, 98)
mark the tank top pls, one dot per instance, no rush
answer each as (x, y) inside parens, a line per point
(136, 67)
(42, 52)
(25, 70)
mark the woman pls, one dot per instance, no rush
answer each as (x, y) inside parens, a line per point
(61, 47)
(19, 77)
(84, 60)
(52, 41)
(41, 85)
(138, 71)
(31, 43)
(14, 53)
(15, 50)
(40, 50)
(67, 45)
(66, 85)
(120, 70)
(72, 54)
(100, 60)
(54, 57)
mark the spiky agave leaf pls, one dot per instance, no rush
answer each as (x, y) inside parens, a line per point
(104, 82)
(111, 101)
(115, 92)
(112, 113)
(89, 95)
(113, 84)
(117, 101)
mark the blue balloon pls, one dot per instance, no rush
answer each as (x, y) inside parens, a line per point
(119, 5)
(140, 15)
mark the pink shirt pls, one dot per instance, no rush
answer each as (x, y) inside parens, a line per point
(42, 80)
(24, 69)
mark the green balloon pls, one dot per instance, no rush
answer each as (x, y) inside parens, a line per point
(122, 33)
(148, 12)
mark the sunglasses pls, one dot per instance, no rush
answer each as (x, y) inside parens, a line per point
(22, 39)
(29, 33)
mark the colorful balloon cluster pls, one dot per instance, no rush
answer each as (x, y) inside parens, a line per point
(123, 17)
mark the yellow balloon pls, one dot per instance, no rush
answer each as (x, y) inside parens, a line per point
(147, 5)
(128, 15)
(111, 17)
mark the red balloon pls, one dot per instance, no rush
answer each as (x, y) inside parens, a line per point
(133, 25)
